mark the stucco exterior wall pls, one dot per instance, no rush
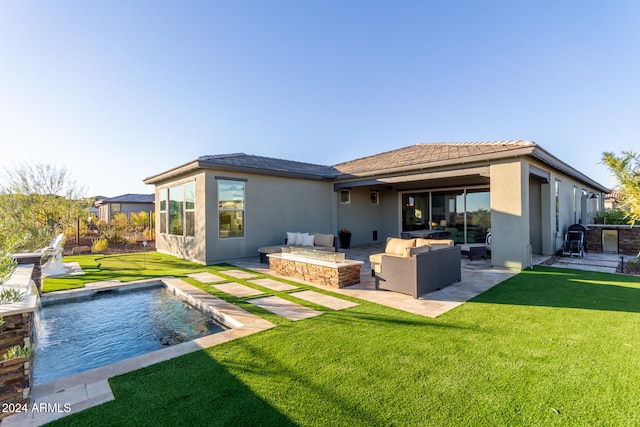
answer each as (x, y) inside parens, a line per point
(273, 206)
(362, 218)
(509, 214)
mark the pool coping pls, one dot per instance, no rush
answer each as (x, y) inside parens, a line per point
(74, 393)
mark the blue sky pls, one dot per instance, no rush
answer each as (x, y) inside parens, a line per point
(117, 91)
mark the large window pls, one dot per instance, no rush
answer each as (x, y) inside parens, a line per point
(464, 214)
(231, 208)
(177, 212)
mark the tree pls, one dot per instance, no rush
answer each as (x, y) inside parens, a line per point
(626, 169)
(37, 201)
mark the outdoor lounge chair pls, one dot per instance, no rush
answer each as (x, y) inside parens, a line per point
(53, 257)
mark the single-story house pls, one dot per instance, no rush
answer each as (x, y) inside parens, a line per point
(126, 204)
(226, 206)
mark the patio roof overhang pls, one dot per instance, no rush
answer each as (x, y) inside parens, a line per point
(480, 173)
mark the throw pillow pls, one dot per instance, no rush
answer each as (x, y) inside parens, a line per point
(307, 240)
(323, 239)
(300, 238)
(291, 238)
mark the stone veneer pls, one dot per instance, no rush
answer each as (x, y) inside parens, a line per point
(16, 375)
(628, 238)
(333, 275)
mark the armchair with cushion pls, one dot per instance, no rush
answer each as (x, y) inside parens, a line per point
(419, 273)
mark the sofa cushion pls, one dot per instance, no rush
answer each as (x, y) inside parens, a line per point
(323, 239)
(419, 250)
(440, 244)
(422, 242)
(300, 238)
(400, 246)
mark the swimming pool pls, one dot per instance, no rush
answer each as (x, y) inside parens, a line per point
(89, 332)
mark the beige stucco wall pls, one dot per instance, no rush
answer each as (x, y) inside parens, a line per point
(273, 206)
(509, 214)
(362, 218)
(511, 211)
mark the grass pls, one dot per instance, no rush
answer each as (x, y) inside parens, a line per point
(546, 347)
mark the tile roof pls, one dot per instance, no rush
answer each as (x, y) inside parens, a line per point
(129, 198)
(269, 164)
(423, 154)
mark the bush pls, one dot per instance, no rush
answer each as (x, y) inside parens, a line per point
(614, 216)
(100, 245)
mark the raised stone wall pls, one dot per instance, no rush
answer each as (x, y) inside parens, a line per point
(331, 276)
(16, 375)
(628, 238)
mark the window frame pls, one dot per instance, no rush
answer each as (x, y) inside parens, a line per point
(237, 215)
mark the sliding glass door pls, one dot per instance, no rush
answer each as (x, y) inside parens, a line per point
(464, 213)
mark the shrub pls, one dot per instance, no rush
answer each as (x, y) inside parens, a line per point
(614, 216)
(100, 245)
(10, 295)
(16, 351)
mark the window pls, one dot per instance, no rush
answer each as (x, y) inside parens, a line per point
(231, 208)
(375, 197)
(176, 210)
(190, 209)
(345, 197)
(163, 210)
(115, 208)
(557, 206)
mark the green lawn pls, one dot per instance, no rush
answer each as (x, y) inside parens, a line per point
(546, 347)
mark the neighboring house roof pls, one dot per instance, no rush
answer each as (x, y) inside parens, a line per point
(407, 159)
(616, 194)
(129, 198)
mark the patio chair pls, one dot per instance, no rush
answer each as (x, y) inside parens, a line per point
(53, 257)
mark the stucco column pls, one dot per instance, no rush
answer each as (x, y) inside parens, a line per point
(509, 215)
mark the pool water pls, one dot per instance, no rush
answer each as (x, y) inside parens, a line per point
(87, 333)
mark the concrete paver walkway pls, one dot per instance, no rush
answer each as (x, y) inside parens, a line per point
(237, 290)
(206, 277)
(274, 285)
(284, 308)
(324, 300)
(238, 274)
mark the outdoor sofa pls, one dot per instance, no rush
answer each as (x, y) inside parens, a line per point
(420, 273)
(313, 241)
(416, 266)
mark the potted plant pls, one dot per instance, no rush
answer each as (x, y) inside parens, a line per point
(345, 238)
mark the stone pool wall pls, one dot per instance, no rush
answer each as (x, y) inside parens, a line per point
(16, 376)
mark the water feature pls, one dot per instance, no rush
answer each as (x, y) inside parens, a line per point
(84, 333)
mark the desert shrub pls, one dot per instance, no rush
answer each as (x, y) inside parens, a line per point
(100, 245)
